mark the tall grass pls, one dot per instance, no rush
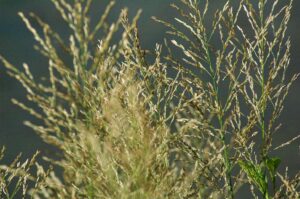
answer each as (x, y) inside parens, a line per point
(193, 118)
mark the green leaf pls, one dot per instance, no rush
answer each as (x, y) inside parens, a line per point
(272, 165)
(255, 174)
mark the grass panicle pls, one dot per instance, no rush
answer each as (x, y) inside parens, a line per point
(193, 118)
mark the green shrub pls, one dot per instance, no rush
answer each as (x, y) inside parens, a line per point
(193, 118)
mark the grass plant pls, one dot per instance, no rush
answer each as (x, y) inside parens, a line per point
(193, 118)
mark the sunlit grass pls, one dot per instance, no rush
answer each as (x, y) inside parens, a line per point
(178, 121)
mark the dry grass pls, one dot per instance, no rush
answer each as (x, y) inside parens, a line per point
(194, 118)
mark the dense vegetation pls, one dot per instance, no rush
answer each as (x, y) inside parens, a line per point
(192, 118)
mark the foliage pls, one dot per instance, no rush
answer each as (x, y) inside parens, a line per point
(193, 118)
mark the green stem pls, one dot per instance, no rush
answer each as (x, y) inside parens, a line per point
(263, 107)
(262, 63)
(220, 120)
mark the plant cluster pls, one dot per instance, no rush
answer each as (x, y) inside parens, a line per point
(193, 118)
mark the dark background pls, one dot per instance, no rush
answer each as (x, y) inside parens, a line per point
(16, 44)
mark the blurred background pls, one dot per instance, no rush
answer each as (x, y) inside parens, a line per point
(16, 44)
